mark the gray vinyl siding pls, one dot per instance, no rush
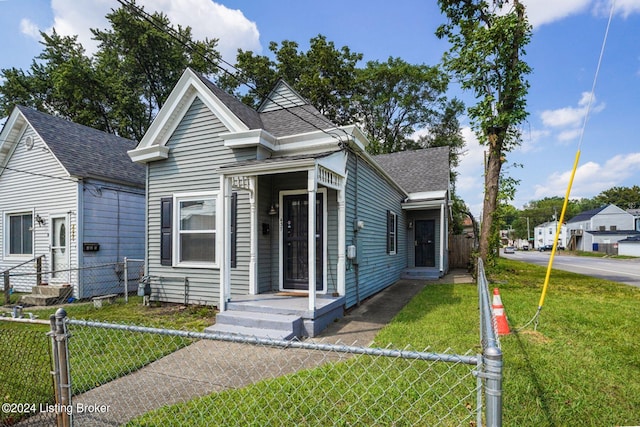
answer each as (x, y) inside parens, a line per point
(113, 216)
(34, 181)
(267, 250)
(369, 195)
(195, 154)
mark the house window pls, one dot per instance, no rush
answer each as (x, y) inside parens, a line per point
(392, 233)
(195, 240)
(20, 234)
(613, 227)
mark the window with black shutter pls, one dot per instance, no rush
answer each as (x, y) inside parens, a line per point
(166, 226)
(234, 228)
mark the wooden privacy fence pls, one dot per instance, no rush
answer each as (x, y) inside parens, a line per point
(460, 248)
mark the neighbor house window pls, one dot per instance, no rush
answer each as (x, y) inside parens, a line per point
(20, 234)
(392, 233)
(195, 225)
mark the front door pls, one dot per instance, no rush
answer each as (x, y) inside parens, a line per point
(59, 249)
(296, 242)
(425, 243)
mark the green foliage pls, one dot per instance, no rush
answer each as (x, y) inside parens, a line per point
(622, 197)
(121, 87)
(394, 99)
(324, 75)
(391, 100)
(487, 46)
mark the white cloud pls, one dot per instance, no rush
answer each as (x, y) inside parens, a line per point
(569, 120)
(206, 19)
(531, 140)
(470, 182)
(591, 177)
(30, 29)
(541, 12)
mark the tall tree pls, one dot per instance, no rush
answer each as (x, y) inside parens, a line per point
(324, 75)
(623, 197)
(122, 86)
(487, 46)
(395, 99)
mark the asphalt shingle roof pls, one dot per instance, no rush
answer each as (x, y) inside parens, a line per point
(86, 152)
(248, 115)
(586, 215)
(418, 170)
(281, 122)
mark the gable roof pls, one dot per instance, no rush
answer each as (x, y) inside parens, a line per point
(284, 115)
(83, 151)
(418, 171)
(586, 215)
(248, 115)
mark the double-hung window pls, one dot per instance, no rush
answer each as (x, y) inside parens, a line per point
(195, 226)
(19, 232)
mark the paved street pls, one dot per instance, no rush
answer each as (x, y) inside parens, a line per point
(617, 270)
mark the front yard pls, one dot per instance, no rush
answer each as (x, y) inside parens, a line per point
(579, 366)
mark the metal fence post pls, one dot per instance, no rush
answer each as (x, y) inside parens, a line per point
(39, 271)
(7, 288)
(126, 281)
(493, 386)
(62, 379)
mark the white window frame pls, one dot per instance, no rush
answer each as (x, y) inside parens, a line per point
(394, 233)
(7, 235)
(176, 250)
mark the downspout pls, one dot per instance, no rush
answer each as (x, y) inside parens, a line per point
(79, 238)
(442, 237)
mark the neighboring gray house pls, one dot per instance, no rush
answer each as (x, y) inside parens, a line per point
(233, 191)
(70, 194)
(636, 217)
(600, 229)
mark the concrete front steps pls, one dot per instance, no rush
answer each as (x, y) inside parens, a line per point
(47, 295)
(262, 325)
(421, 273)
(277, 317)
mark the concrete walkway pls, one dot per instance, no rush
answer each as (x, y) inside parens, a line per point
(212, 366)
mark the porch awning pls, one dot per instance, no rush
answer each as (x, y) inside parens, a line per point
(425, 200)
(331, 167)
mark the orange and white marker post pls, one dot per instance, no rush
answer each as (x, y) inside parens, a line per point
(498, 312)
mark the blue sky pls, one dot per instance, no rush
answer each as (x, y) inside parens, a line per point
(563, 53)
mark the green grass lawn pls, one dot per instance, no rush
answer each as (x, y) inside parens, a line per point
(96, 355)
(581, 366)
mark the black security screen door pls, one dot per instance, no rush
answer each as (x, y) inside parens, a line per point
(425, 244)
(296, 242)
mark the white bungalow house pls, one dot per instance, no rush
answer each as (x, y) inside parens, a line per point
(70, 197)
(232, 193)
(544, 234)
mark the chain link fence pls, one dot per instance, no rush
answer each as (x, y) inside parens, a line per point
(109, 374)
(147, 376)
(26, 384)
(84, 282)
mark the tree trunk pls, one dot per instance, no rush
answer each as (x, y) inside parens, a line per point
(491, 187)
